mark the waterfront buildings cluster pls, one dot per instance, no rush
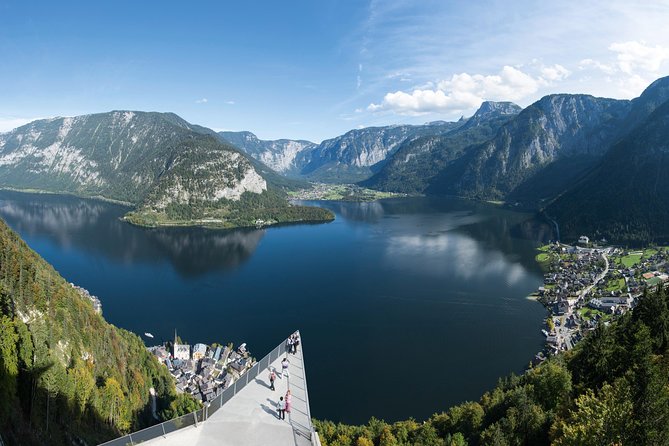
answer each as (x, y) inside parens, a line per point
(590, 284)
(202, 370)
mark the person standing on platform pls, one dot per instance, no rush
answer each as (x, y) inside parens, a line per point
(289, 401)
(281, 409)
(272, 377)
(284, 367)
(296, 343)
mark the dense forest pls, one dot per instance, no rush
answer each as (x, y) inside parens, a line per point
(611, 389)
(66, 375)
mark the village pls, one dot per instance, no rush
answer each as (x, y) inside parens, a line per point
(202, 370)
(590, 283)
(341, 192)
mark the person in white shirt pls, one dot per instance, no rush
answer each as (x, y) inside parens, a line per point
(281, 409)
(284, 367)
(296, 343)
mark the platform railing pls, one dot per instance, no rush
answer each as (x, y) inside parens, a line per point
(194, 418)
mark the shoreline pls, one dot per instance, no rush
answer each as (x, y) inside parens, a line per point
(220, 227)
(213, 225)
(70, 194)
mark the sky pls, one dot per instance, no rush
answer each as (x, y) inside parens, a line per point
(315, 69)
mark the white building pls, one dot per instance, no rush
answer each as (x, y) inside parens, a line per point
(584, 239)
(610, 303)
(199, 351)
(181, 351)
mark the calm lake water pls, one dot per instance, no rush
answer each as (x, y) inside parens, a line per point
(406, 306)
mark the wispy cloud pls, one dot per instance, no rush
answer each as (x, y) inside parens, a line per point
(230, 102)
(202, 101)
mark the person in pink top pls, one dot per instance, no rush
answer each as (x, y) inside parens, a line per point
(289, 401)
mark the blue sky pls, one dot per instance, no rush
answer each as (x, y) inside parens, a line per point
(315, 69)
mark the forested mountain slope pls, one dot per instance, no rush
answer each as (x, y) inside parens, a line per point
(65, 373)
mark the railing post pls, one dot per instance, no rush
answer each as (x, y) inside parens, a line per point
(132, 443)
(195, 417)
(163, 426)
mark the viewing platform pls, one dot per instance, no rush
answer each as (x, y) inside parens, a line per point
(245, 414)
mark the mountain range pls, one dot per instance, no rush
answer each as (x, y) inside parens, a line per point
(583, 161)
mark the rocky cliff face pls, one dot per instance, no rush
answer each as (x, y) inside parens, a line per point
(348, 158)
(156, 161)
(624, 198)
(556, 128)
(416, 164)
(492, 110)
(121, 155)
(285, 156)
(355, 155)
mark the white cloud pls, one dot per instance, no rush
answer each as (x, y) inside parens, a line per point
(230, 102)
(465, 91)
(632, 86)
(555, 73)
(633, 56)
(202, 101)
(10, 123)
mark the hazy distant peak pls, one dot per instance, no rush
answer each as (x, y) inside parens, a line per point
(497, 108)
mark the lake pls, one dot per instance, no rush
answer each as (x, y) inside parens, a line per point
(406, 306)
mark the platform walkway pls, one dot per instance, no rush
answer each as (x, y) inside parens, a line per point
(249, 418)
